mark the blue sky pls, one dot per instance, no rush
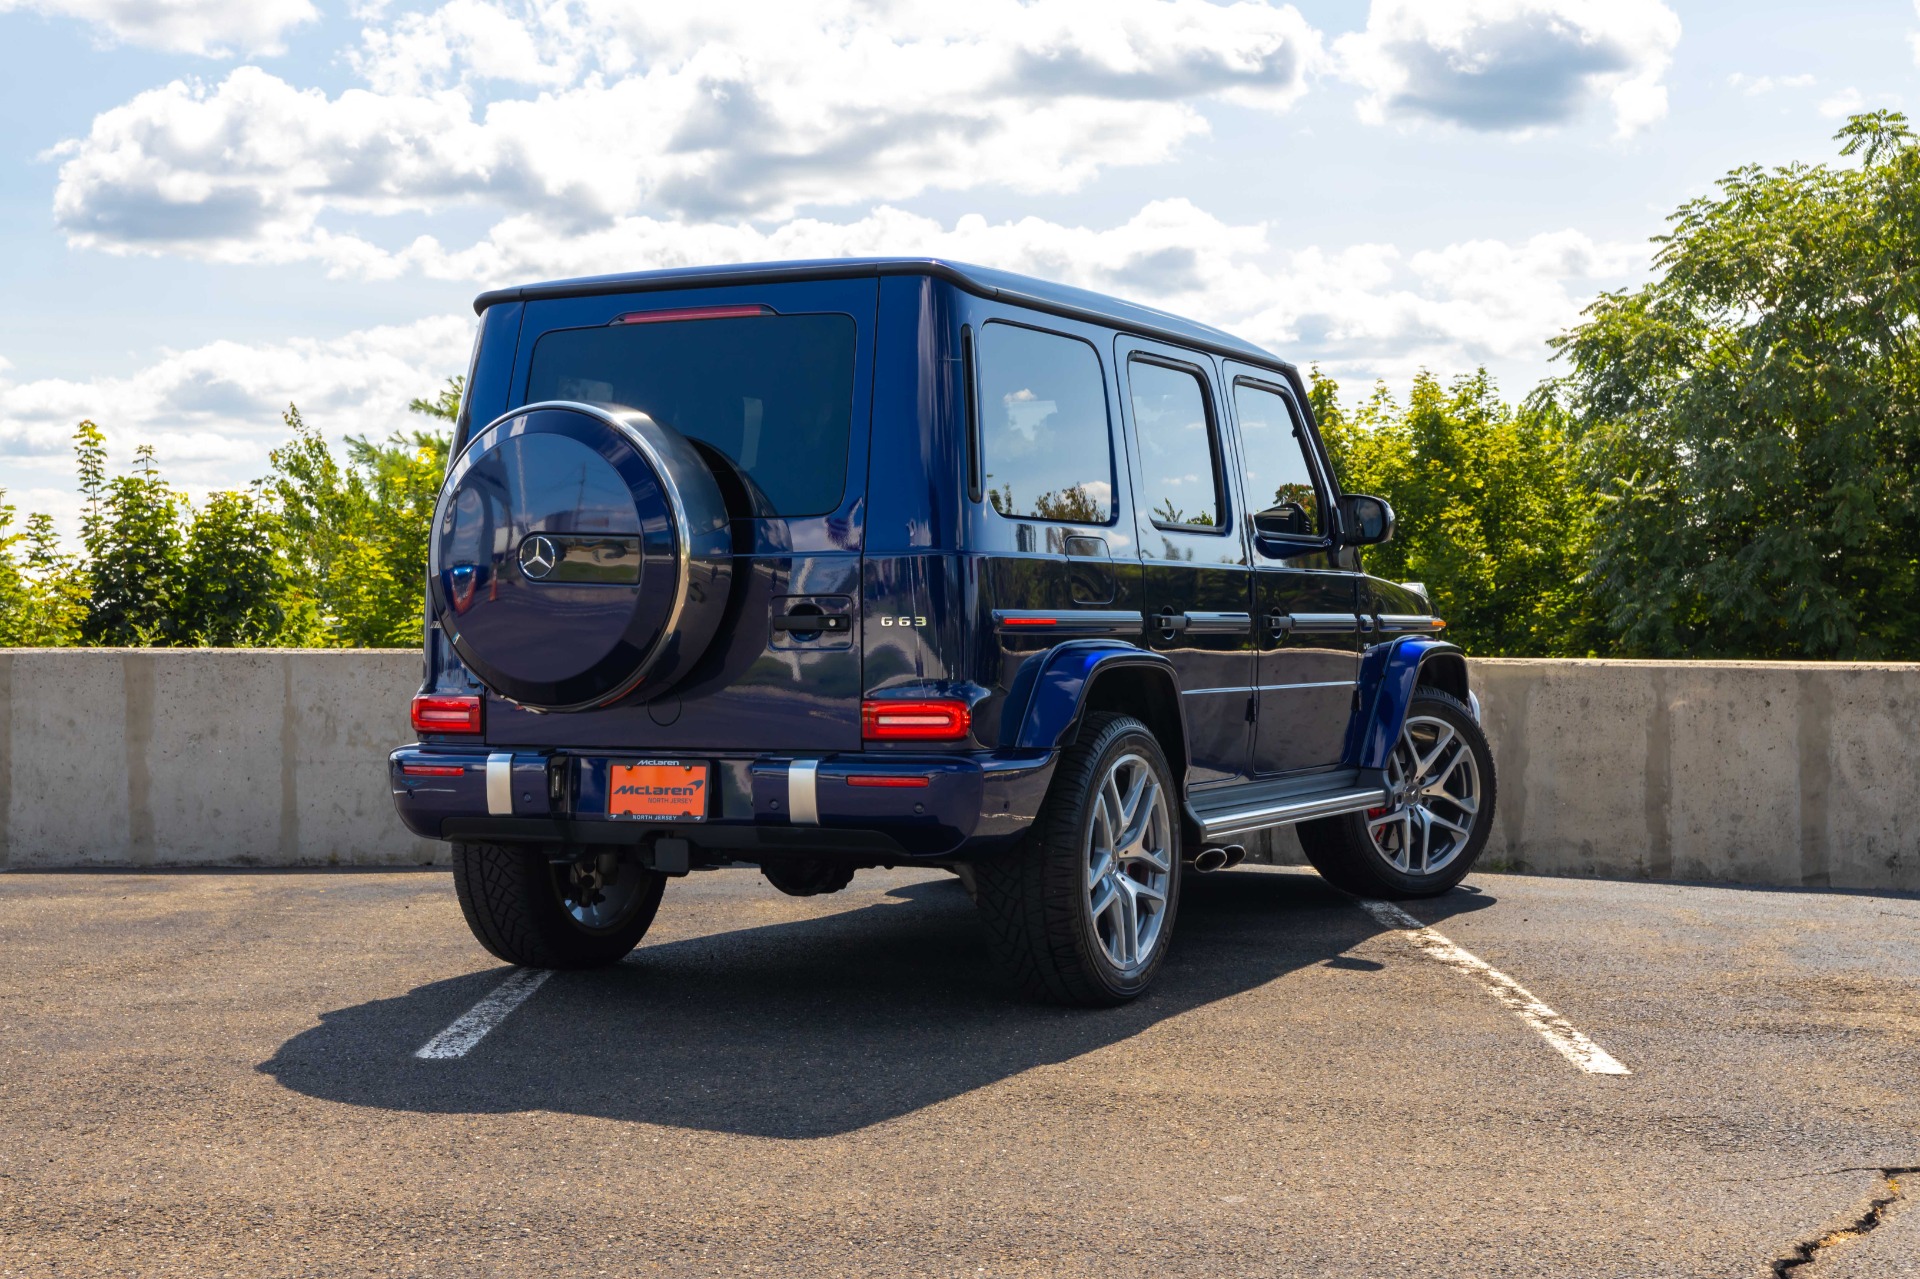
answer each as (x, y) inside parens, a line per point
(211, 207)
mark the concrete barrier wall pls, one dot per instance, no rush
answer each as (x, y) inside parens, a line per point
(1740, 772)
(1799, 773)
(198, 757)
(1778, 773)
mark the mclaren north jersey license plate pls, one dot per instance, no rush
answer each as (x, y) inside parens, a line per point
(657, 791)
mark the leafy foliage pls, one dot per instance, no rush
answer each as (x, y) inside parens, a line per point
(134, 540)
(1491, 515)
(356, 534)
(321, 552)
(1751, 417)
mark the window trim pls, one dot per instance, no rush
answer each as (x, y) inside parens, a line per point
(1222, 498)
(970, 395)
(1314, 468)
(1309, 453)
(979, 493)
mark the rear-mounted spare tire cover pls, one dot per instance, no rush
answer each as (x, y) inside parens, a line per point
(580, 556)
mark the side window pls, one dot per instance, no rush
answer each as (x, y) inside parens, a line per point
(1280, 488)
(1044, 441)
(1180, 475)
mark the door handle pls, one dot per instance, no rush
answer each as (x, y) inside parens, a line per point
(1279, 623)
(811, 622)
(1170, 623)
(1219, 623)
(1326, 623)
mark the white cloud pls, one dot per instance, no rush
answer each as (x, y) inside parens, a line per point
(211, 28)
(1361, 312)
(1512, 65)
(1754, 86)
(1844, 103)
(1368, 309)
(213, 412)
(725, 109)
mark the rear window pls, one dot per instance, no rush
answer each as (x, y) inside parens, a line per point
(1043, 426)
(773, 393)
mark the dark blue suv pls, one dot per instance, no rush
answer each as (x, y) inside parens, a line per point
(829, 565)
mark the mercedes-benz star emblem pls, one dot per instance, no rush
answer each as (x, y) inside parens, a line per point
(538, 555)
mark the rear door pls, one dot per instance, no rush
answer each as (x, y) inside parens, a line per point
(774, 384)
(1196, 583)
(1308, 643)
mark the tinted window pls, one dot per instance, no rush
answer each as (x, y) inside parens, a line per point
(1280, 488)
(774, 393)
(1043, 426)
(1177, 468)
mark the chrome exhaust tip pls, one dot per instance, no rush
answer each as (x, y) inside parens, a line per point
(1235, 855)
(1210, 859)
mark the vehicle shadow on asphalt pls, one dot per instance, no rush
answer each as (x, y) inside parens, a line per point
(812, 1028)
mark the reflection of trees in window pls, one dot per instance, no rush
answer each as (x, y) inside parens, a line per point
(1168, 513)
(1070, 504)
(1075, 504)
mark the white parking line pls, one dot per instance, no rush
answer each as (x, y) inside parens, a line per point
(468, 1029)
(1550, 1025)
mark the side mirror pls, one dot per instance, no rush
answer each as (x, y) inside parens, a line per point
(1289, 519)
(1365, 521)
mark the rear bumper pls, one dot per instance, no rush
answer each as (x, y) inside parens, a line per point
(882, 807)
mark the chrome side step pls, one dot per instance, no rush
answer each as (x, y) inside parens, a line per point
(1218, 825)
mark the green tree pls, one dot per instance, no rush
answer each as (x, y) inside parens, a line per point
(16, 588)
(60, 591)
(43, 595)
(1751, 416)
(132, 535)
(354, 536)
(230, 575)
(1491, 514)
(444, 405)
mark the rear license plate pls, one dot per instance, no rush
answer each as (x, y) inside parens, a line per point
(657, 791)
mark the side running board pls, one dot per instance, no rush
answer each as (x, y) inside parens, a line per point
(1226, 817)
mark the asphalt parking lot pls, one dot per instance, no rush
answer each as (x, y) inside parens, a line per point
(216, 1074)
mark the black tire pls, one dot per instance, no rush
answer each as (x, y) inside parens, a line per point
(1346, 855)
(514, 898)
(1035, 900)
(807, 876)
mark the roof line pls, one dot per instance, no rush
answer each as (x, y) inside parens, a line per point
(787, 273)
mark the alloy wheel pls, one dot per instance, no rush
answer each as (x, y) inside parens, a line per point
(599, 893)
(1129, 862)
(1433, 786)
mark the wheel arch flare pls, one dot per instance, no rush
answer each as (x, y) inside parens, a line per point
(1389, 674)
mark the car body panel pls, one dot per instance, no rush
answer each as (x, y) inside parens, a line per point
(1024, 619)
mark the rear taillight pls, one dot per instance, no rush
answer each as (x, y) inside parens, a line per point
(890, 721)
(433, 770)
(446, 713)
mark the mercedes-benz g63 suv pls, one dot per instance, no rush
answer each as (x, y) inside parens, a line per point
(829, 565)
